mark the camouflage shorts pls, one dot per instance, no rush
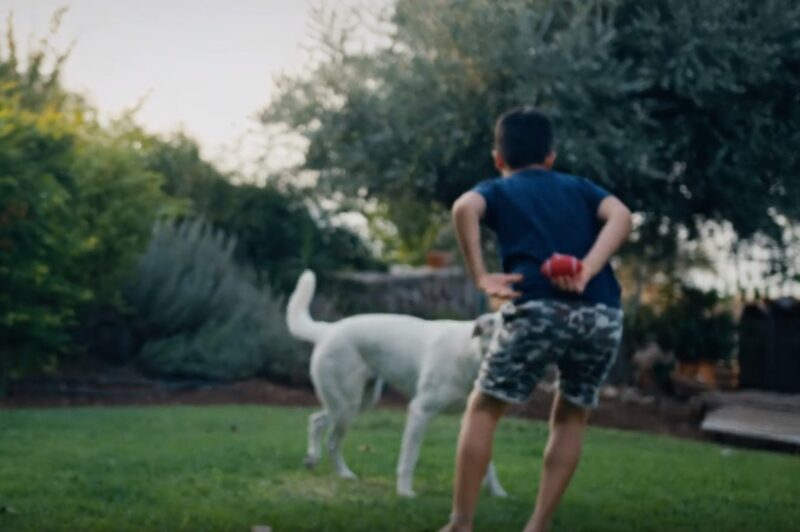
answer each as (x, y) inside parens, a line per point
(582, 340)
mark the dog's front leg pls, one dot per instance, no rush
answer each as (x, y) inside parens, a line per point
(419, 414)
(493, 483)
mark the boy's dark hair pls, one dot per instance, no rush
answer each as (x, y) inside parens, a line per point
(523, 136)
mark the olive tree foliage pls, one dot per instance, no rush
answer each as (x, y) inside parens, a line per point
(687, 110)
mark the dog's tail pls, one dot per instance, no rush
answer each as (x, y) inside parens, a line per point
(297, 317)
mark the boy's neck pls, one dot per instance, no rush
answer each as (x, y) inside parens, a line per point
(538, 166)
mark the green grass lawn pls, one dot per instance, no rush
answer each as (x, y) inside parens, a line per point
(229, 467)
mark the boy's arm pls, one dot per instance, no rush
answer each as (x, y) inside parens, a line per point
(467, 213)
(616, 218)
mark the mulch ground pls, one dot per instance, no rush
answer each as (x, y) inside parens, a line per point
(123, 387)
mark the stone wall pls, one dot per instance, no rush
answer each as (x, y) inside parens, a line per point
(424, 292)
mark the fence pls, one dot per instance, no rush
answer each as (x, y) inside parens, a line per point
(769, 346)
(427, 293)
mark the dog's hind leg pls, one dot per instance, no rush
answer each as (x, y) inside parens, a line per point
(419, 414)
(339, 375)
(318, 423)
(340, 425)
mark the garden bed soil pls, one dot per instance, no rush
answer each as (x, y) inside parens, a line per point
(121, 387)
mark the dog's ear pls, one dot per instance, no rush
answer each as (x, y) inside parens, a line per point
(483, 325)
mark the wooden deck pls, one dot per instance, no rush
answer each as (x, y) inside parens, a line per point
(754, 415)
(752, 398)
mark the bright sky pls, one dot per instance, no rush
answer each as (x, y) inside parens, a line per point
(203, 65)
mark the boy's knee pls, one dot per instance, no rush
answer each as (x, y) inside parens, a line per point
(568, 412)
(481, 402)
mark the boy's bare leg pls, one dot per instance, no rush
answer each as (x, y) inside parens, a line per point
(561, 456)
(472, 457)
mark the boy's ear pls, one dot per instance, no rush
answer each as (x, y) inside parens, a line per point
(499, 162)
(550, 160)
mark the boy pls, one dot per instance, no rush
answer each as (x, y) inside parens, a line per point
(574, 322)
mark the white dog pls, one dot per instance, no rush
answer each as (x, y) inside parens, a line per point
(433, 362)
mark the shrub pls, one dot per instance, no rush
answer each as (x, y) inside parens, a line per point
(201, 315)
(688, 322)
(39, 242)
(693, 326)
(276, 233)
(76, 206)
(278, 236)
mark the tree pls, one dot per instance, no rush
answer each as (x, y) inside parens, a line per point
(686, 110)
(76, 207)
(276, 232)
(78, 201)
(117, 199)
(278, 236)
(39, 242)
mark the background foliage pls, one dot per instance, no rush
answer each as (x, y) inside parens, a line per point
(39, 241)
(681, 108)
(686, 110)
(79, 198)
(202, 315)
(76, 207)
(278, 230)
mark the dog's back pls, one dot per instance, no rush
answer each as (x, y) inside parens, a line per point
(395, 348)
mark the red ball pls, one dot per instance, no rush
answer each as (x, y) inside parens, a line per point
(561, 265)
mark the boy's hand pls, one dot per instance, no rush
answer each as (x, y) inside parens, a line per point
(573, 283)
(498, 285)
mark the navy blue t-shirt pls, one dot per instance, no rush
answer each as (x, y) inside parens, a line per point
(535, 213)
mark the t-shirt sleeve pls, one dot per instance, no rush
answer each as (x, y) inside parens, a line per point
(487, 190)
(593, 194)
